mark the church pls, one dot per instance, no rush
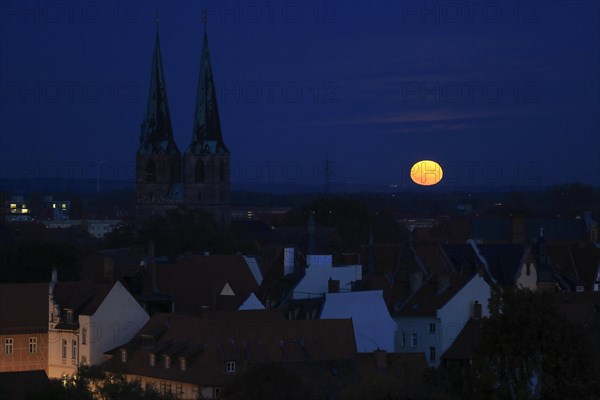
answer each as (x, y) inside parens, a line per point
(199, 178)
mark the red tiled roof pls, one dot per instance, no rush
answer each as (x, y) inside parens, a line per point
(24, 307)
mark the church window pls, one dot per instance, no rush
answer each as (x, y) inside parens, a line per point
(150, 172)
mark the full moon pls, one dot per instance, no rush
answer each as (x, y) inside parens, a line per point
(426, 173)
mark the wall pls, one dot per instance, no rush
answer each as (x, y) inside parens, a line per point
(115, 322)
(315, 281)
(21, 360)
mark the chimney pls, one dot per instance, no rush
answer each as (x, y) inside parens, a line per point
(380, 357)
(443, 282)
(477, 310)
(109, 269)
(288, 261)
(152, 264)
(416, 281)
(333, 286)
(54, 278)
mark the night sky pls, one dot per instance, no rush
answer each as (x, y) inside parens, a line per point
(498, 93)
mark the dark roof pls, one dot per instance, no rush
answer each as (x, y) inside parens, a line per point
(24, 307)
(242, 340)
(462, 257)
(197, 281)
(428, 298)
(467, 341)
(504, 261)
(18, 385)
(555, 229)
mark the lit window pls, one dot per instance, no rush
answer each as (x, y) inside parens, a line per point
(431, 328)
(8, 346)
(64, 206)
(25, 211)
(13, 205)
(230, 367)
(432, 354)
(32, 345)
(53, 205)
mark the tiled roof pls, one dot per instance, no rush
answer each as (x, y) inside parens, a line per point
(428, 298)
(241, 340)
(466, 342)
(24, 307)
(18, 385)
(504, 261)
(198, 281)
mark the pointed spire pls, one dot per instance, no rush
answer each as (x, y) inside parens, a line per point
(370, 256)
(206, 135)
(157, 133)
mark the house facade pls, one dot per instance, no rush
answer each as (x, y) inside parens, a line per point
(434, 315)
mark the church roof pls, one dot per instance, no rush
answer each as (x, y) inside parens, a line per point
(206, 135)
(157, 134)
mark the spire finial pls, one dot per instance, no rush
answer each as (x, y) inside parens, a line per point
(204, 16)
(157, 18)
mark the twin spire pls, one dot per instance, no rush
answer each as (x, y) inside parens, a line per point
(157, 134)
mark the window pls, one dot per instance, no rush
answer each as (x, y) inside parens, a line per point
(165, 387)
(124, 355)
(199, 171)
(64, 349)
(195, 393)
(413, 340)
(83, 360)
(432, 328)
(84, 336)
(432, 354)
(179, 391)
(182, 364)
(218, 392)
(8, 346)
(74, 350)
(32, 345)
(167, 362)
(230, 367)
(579, 288)
(69, 316)
(152, 359)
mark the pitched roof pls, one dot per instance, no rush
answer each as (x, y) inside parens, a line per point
(208, 343)
(18, 385)
(503, 260)
(429, 298)
(23, 307)
(198, 281)
(467, 341)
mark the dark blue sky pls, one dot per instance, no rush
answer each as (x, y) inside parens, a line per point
(496, 92)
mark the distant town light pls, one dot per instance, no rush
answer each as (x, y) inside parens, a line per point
(426, 173)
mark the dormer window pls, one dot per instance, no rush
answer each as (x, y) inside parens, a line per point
(182, 364)
(152, 359)
(167, 362)
(579, 288)
(230, 367)
(69, 316)
(124, 355)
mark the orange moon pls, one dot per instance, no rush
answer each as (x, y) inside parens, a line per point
(426, 173)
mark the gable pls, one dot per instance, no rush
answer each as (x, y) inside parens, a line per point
(227, 290)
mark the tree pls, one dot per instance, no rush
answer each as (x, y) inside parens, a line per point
(530, 351)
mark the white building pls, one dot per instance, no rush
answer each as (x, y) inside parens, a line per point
(87, 319)
(436, 312)
(374, 328)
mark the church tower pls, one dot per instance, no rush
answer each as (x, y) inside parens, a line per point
(158, 160)
(207, 159)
